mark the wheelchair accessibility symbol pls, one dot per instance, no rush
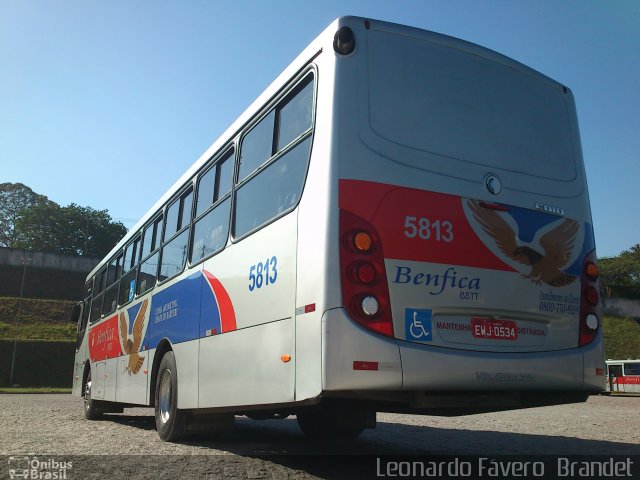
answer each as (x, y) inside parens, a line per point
(418, 325)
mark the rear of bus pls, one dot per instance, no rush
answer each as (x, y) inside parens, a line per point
(467, 272)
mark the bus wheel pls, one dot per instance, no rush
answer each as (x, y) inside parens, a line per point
(170, 422)
(335, 420)
(91, 410)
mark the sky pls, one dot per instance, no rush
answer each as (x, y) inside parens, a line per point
(106, 103)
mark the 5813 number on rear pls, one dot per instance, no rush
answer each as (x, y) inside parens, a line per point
(438, 230)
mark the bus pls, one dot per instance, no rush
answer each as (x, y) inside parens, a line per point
(399, 222)
(623, 376)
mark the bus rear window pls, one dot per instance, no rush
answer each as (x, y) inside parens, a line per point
(437, 99)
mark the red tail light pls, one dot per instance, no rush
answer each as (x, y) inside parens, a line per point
(590, 300)
(365, 292)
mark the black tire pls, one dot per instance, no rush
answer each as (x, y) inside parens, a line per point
(91, 407)
(170, 421)
(328, 421)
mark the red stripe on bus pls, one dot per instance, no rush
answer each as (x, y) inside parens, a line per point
(626, 380)
(227, 313)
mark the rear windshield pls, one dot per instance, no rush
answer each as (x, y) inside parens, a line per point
(435, 98)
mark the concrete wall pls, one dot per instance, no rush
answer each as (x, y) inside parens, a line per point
(14, 257)
(45, 275)
(622, 306)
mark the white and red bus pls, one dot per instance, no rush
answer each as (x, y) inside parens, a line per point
(400, 222)
(623, 376)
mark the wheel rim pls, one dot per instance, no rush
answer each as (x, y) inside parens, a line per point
(164, 396)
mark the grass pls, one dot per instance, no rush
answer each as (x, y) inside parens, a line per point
(57, 332)
(621, 338)
(35, 319)
(35, 310)
(4, 390)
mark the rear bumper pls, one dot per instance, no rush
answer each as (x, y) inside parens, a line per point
(434, 368)
(455, 403)
(410, 367)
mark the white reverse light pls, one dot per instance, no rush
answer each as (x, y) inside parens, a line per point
(591, 321)
(370, 305)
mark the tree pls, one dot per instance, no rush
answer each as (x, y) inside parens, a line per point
(71, 230)
(15, 198)
(622, 271)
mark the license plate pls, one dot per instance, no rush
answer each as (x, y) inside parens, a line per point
(494, 329)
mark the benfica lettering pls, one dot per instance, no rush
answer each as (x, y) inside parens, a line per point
(437, 282)
(104, 336)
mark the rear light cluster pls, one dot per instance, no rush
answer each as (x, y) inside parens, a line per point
(590, 300)
(365, 292)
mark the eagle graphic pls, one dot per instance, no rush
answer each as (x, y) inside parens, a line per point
(131, 346)
(546, 257)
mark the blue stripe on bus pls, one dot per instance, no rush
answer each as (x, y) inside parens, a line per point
(175, 311)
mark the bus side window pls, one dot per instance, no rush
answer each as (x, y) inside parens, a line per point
(147, 274)
(98, 295)
(88, 288)
(178, 214)
(151, 237)
(129, 270)
(295, 114)
(273, 190)
(176, 234)
(632, 369)
(150, 253)
(80, 314)
(75, 315)
(263, 194)
(257, 146)
(225, 176)
(211, 225)
(206, 191)
(86, 307)
(113, 281)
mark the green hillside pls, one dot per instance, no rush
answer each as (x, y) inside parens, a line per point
(35, 319)
(621, 338)
(50, 320)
